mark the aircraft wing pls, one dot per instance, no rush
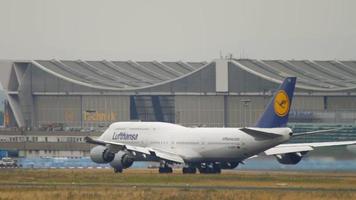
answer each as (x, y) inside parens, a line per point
(168, 155)
(160, 153)
(303, 147)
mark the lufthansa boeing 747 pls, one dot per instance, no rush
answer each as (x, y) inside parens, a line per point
(208, 150)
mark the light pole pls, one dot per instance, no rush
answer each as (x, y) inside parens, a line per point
(2, 111)
(245, 104)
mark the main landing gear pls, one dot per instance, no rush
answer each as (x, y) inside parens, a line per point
(165, 169)
(189, 170)
(204, 168)
(210, 169)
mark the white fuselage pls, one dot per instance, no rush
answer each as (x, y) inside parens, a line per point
(194, 144)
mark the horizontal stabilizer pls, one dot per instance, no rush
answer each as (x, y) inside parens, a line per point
(315, 132)
(259, 134)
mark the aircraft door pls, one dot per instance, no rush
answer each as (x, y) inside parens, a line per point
(202, 143)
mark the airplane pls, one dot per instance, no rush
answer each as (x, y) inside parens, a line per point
(207, 150)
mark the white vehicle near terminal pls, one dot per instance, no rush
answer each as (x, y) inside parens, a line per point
(8, 162)
(207, 149)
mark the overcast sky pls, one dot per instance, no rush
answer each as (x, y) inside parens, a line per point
(177, 29)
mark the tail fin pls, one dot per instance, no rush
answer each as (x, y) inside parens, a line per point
(277, 110)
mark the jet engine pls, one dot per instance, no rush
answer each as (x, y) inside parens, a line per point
(101, 154)
(290, 158)
(122, 160)
(229, 165)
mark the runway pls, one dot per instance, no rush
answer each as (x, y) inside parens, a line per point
(190, 187)
(147, 183)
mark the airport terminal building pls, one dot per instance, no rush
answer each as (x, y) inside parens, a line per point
(73, 99)
(78, 94)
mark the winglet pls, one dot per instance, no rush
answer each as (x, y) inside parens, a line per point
(277, 111)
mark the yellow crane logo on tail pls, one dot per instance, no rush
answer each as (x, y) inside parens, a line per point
(281, 103)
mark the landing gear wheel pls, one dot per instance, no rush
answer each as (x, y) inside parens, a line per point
(210, 169)
(118, 170)
(217, 170)
(165, 170)
(189, 170)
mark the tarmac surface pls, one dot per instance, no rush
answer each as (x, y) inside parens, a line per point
(103, 183)
(191, 187)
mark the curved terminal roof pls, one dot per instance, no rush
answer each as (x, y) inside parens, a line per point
(131, 75)
(312, 75)
(117, 75)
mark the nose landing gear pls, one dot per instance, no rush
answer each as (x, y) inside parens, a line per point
(118, 170)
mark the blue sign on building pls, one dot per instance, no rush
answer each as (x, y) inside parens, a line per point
(3, 153)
